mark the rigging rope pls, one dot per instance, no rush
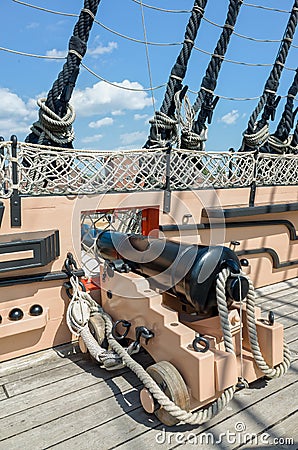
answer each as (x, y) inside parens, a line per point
(186, 10)
(154, 88)
(287, 120)
(57, 101)
(140, 41)
(179, 69)
(205, 102)
(268, 100)
(205, 52)
(294, 142)
(163, 125)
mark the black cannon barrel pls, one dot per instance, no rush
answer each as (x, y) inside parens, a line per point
(187, 271)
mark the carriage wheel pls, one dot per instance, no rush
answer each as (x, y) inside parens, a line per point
(172, 384)
(97, 328)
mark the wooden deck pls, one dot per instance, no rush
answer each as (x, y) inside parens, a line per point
(60, 399)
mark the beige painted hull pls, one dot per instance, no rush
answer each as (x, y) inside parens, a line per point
(64, 213)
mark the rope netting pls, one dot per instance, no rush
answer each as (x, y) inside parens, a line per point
(56, 171)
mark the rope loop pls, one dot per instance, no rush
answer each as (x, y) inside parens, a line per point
(279, 146)
(270, 372)
(51, 126)
(163, 130)
(256, 139)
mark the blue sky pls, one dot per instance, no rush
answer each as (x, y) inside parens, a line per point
(109, 117)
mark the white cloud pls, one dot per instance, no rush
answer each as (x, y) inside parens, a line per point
(56, 53)
(103, 98)
(32, 25)
(102, 122)
(16, 116)
(130, 138)
(91, 139)
(101, 49)
(94, 52)
(230, 118)
(118, 112)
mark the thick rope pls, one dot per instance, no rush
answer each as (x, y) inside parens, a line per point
(163, 130)
(278, 146)
(270, 372)
(287, 119)
(59, 95)
(199, 417)
(223, 309)
(109, 359)
(205, 102)
(256, 139)
(52, 127)
(179, 69)
(272, 83)
(163, 125)
(204, 414)
(186, 138)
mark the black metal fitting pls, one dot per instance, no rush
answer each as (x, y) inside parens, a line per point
(125, 324)
(270, 107)
(203, 341)
(271, 318)
(237, 288)
(68, 288)
(230, 264)
(244, 262)
(118, 265)
(206, 113)
(142, 332)
(70, 264)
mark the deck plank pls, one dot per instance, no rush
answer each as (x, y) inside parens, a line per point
(35, 360)
(82, 401)
(2, 393)
(291, 333)
(65, 426)
(239, 407)
(280, 295)
(38, 369)
(277, 287)
(256, 420)
(91, 377)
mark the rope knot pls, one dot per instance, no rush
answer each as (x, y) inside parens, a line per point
(163, 130)
(258, 138)
(51, 126)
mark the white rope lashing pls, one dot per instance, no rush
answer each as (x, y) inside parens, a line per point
(256, 139)
(58, 129)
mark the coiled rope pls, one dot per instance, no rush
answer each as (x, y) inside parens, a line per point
(52, 127)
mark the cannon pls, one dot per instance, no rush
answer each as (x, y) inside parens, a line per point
(189, 272)
(167, 296)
